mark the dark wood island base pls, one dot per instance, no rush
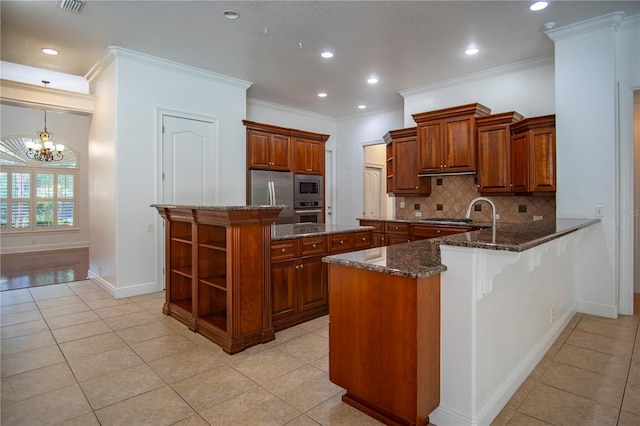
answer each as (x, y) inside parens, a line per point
(384, 343)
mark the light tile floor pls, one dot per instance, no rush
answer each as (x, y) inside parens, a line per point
(73, 355)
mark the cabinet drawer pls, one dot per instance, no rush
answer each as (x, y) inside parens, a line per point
(340, 242)
(313, 245)
(284, 249)
(379, 226)
(363, 240)
(397, 228)
(421, 232)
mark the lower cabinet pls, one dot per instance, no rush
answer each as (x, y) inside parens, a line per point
(299, 289)
(390, 232)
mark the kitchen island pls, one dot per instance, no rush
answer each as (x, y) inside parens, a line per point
(505, 296)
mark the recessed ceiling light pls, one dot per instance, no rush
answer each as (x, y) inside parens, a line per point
(49, 51)
(362, 106)
(231, 14)
(471, 51)
(372, 80)
(549, 26)
(539, 5)
(322, 94)
(327, 54)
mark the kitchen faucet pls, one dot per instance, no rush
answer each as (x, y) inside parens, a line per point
(493, 208)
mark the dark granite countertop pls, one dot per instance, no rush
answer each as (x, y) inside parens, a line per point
(425, 221)
(516, 236)
(287, 232)
(222, 208)
(419, 259)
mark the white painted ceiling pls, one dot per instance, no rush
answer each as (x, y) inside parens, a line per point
(405, 43)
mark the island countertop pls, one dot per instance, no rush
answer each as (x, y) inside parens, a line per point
(289, 231)
(420, 259)
(220, 208)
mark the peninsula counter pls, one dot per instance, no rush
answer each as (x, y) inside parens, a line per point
(503, 297)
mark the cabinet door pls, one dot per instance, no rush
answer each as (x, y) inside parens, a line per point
(312, 282)
(460, 148)
(431, 149)
(520, 163)
(406, 175)
(315, 157)
(299, 156)
(258, 147)
(283, 293)
(542, 154)
(393, 239)
(280, 153)
(378, 240)
(494, 160)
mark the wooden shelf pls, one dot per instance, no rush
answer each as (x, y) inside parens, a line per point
(210, 287)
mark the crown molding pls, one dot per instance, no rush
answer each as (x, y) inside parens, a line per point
(40, 97)
(611, 20)
(114, 52)
(474, 77)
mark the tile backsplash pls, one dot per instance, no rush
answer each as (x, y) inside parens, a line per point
(456, 192)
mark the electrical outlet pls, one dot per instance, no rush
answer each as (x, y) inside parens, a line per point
(537, 218)
(149, 226)
(551, 316)
(497, 216)
(598, 210)
(418, 214)
(402, 204)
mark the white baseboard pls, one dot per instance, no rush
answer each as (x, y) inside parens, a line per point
(122, 292)
(606, 311)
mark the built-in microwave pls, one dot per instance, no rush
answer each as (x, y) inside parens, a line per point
(307, 187)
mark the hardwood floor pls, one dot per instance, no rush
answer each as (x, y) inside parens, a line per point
(23, 270)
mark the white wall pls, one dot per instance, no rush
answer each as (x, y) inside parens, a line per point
(353, 134)
(140, 86)
(587, 131)
(525, 87)
(70, 130)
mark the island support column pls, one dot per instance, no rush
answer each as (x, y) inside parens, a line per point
(384, 343)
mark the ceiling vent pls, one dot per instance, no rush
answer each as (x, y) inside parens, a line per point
(73, 6)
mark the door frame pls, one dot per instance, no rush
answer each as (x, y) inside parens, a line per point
(160, 113)
(362, 165)
(626, 217)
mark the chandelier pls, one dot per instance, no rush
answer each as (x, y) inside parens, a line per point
(45, 150)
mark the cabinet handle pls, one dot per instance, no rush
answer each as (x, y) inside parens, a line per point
(341, 241)
(301, 266)
(444, 166)
(313, 245)
(297, 266)
(397, 228)
(510, 185)
(283, 250)
(416, 187)
(364, 238)
(438, 231)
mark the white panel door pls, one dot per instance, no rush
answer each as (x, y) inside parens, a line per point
(372, 191)
(187, 161)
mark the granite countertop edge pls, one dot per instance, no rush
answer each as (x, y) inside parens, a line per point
(462, 240)
(293, 232)
(220, 208)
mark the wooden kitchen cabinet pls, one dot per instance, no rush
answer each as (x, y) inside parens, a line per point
(209, 287)
(268, 151)
(378, 237)
(402, 166)
(533, 155)
(424, 232)
(397, 233)
(495, 171)
(308, 157)
(298, 281)
(446, 139)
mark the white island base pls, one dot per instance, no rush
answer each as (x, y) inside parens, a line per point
(501, 312)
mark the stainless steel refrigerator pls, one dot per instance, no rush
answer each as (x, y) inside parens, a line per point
(270, 189)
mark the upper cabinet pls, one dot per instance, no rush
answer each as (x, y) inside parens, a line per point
(268, 148)
(282, 149)
(308, 153)
(495, 172)
(446, 139)
(402, 165)
(533, 154)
